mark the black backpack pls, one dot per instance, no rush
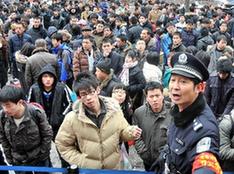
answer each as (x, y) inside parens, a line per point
(31, 107)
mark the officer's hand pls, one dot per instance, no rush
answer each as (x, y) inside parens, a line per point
(158, 166)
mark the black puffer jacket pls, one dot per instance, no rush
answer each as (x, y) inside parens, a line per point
(29, 143)
(204, 42)
(136, 81)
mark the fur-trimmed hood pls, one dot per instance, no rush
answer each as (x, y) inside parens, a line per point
(20, 58)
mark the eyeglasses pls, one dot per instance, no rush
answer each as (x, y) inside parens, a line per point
(119, 91)
(85, 94)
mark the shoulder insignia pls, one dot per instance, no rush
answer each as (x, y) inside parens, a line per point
(203, 145)
(197, 125)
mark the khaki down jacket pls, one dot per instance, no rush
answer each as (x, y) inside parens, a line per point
(82, 143)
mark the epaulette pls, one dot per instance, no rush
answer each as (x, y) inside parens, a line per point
(197, 125)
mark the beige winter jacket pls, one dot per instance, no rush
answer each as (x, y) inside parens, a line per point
(81, 142)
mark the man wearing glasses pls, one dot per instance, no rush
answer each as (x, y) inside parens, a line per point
(89, 136)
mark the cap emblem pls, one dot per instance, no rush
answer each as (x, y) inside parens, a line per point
(183, 59)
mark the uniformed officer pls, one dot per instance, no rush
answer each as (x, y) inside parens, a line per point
(193, 137)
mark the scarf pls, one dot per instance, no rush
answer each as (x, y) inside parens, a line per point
(124, 75)
(181, 119)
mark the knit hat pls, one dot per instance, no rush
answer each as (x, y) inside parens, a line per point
(105, 66)
(224, 64)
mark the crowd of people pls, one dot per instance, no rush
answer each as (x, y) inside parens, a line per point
(93, 75)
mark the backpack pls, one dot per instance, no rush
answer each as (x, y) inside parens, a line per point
(227, 165)
(232, 122)
(63, 71)
(31, 107)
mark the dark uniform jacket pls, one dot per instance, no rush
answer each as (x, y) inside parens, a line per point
(154, 131)
(29, 143)
(194, 131)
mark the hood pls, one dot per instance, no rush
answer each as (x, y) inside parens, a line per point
(52, 30)
(39, 49)
(20, 58)
(47, 69)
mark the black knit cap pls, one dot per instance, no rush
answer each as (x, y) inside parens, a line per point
(187, 65)
(105, 66)
(224, 64)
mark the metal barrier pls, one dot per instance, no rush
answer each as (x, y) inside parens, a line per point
(79, 171)
(66, 171)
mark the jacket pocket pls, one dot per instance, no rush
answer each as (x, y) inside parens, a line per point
(178, 146)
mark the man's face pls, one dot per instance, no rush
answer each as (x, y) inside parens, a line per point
(171, 29)
(86, 44)
(36, 23)
(55, 43)
(107, 32)
(182, 91)
(223, 75)
(100, 74)
(94, 21)
(176, 40)
(56, 13)
(19, 29)
(47, 80)
(28, 12)
(140, 45)
(189, 27)
(89, 98)
(118, 22)
(144, 35)
(182, 19)
(99, 28)
(86, 33)
(119, 42)
(142, 20)
(107, 47)
(221, 45)
(155, 99)
(11, 109)
(223, 28)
